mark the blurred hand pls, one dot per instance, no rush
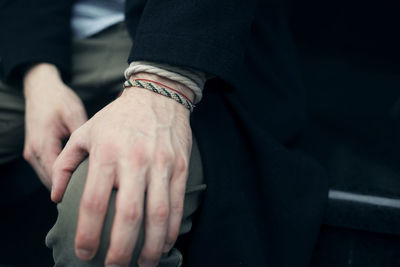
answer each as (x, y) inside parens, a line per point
(139, 144)
(52, 112)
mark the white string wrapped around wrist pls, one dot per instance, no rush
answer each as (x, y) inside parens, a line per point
(192, 79)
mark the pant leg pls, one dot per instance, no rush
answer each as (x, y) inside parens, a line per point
(12, 109)
(98, 65)
(61, 236)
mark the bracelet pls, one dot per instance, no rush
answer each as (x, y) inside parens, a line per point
(191, 78)
(162, 90)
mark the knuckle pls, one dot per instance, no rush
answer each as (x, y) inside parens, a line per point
(181, 165)
(84, 239)
(107, 153)
(62, 167)
(31, 150)
(34, 148)
(75, 137)
(131, 213)
(139, 157)
(164, 158)
(160, 213)
(27, 154)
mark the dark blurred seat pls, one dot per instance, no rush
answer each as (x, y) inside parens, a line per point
(354, 133)
(350, 62)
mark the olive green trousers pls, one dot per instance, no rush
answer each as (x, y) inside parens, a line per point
(98, 66)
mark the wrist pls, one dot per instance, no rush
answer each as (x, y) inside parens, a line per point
(184, 90)
(41, 71)
(39, 76)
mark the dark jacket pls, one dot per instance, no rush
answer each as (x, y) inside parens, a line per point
(265, 199)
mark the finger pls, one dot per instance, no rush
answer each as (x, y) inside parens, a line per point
(177, 196)
(157, 212)
(70, 157)
(93, 206)
(128, 216)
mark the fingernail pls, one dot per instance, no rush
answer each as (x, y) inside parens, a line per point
(167, 247)
(83, 253)
(147, 263)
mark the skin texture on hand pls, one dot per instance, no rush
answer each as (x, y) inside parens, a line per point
(139, 144)
(52, 112)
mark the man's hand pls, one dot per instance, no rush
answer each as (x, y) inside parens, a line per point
(53, 111)
(139, 144)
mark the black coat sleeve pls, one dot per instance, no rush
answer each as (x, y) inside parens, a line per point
(204, 34)
(34, 31)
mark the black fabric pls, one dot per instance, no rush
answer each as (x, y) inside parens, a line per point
(207, 35)
(265, 199)
(34, 31)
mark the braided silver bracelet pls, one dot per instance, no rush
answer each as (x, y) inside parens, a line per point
(162, 90)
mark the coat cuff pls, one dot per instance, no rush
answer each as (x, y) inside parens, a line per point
(183, 51)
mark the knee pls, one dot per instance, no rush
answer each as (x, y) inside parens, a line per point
(61, 238)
